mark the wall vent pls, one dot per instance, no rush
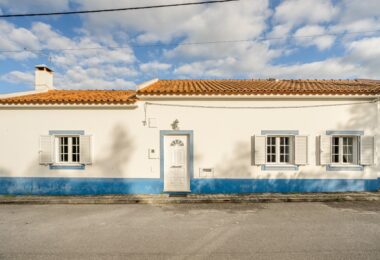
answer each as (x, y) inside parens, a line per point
(206, 172)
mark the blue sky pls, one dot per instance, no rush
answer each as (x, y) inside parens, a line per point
(98, 66)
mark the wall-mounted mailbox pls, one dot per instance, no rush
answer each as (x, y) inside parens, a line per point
(153, 153)
(206, 172)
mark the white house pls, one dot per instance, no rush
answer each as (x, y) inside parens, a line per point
(191, 136)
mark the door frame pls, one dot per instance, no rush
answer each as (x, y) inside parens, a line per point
(190, 154)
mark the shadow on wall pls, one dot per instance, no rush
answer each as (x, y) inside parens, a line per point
(238, 165)
(4, 172)
(117, 154)
(116, 157)
(364, 117)
(361, 117)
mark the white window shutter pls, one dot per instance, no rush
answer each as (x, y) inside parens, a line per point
(85, 149)
(301, 150)
(260, 144)
(46, 149)
(367, 150)
(325, 149)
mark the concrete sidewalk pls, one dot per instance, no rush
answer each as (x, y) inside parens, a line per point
(193, 198)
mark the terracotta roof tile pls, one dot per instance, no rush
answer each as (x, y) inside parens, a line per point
(75, 97)
(262, 87)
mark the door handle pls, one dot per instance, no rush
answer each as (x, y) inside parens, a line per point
(176, 166)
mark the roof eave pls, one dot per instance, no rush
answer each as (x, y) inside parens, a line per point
(279, 96)
(7, 106)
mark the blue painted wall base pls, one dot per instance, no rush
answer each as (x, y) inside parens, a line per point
(99, 186)
(79, 186)
(214, 186)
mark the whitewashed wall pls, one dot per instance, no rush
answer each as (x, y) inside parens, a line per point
(222, 137)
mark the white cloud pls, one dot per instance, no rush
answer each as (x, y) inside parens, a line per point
(352, 10)
(321, 42)
(248, 58)
(334, 68)
(209, 68)
(19, 77)
(95, 65)
(361, 60)
(325, 69)
(191, 23)
(365, 54)
(297, 12)
(80, 78)
(16, 38)
(154, 66)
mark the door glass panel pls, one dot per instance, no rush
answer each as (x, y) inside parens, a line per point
(178, 153)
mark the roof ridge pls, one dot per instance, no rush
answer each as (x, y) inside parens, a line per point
(131, 90)
(261, 87)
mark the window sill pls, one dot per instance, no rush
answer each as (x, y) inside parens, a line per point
(278, 167)
(339, 167)
(67, 167)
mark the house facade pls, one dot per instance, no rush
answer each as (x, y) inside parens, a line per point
(191, 136)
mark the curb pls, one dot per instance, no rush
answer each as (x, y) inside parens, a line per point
(192, 199)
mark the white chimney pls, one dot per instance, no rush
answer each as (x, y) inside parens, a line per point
(43, 78)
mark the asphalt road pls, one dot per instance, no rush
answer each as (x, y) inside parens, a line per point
(344, 230)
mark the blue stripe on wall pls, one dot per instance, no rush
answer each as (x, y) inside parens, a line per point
(281, 185)
(95, 186)
(78, 186)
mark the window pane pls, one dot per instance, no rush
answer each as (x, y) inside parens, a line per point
(271, 149)
(75, 149)
(284, 149)
(63, 149)
(336, 146)
(348, 149)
